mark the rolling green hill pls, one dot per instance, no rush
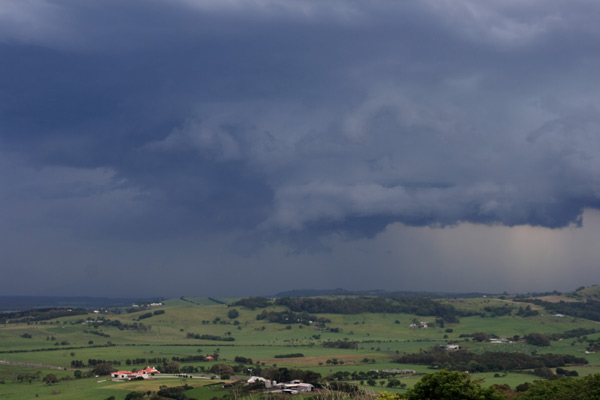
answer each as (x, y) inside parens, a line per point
(339, 339)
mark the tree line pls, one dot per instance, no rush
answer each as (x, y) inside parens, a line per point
(289, 317)
(356, 305)
(455, 385)
(589, 309)
(39, 314)
(489, 361)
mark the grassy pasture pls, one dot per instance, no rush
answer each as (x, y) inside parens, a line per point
(379, 337)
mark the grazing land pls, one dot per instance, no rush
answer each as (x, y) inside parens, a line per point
(202, 344)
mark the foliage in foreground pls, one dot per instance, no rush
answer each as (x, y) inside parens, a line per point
(450, 385)
(453, 385)
(446, 385)
(586, 388)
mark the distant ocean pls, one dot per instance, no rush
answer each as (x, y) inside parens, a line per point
(20, 303)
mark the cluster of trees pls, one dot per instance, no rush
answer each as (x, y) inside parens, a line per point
(453, 385)
(145, 315)
(360, 375)
(97, 333)
(589, 309)
(138, 361)
(151, 314)
(218, 320)
(578, 332)
(286, 375)
(446, 385)
(379, 304)
(499, 311)
(24, 377)
(39, 314)
(253, 303)
(289, 317)
(122, 326)
(104, 368)
(563, 389)
(171, 367)
(143, 360)
(93, 362)
(593, 344)
(346, 387)
(190, 369)
(537, 339)
(224, 370)
(209, 337)
(195, 358)
(290, 355)
(478, 336)
(357, 305)
(341, 344)
(527, 312)
(49, 379)
(563, 372)
(488, 361)
(108, 344)
(176, 393)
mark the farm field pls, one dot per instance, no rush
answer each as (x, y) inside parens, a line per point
(194, 336)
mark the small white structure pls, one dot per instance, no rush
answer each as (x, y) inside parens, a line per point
(452, 347)
(396, 371)
(120, 374)
(294, 387)
(266, 382)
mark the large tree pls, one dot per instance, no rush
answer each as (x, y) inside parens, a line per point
(450, 385)
(50, 379)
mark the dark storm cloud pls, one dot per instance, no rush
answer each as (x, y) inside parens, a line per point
(161, 117)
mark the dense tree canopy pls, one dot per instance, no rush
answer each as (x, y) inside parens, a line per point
(464, 360)
(50, 379)
(586, 388)
(450, 385)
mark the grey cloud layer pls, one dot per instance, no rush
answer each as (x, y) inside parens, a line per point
(301, 116)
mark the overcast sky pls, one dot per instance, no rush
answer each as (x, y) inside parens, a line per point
(222, 148)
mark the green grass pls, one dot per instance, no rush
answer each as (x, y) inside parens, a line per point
(379, 337)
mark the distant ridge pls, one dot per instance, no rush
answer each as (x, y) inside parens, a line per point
(376, 292)
(328, 292)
